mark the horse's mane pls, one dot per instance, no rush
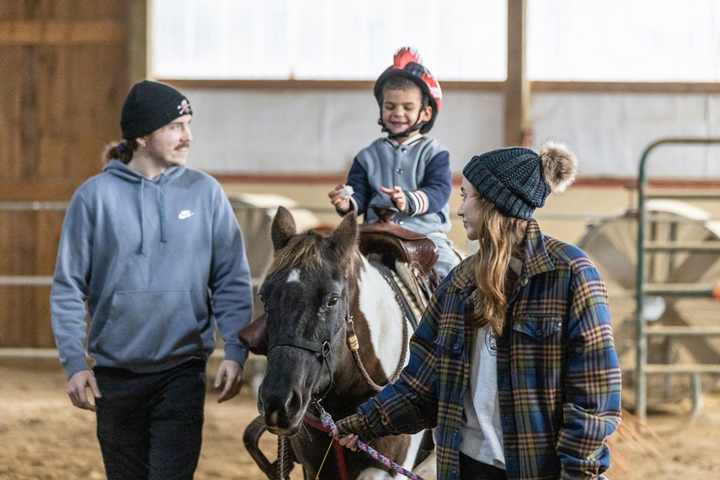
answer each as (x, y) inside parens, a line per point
(304, 251)
(301, 251)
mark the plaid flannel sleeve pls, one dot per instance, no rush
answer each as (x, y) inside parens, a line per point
(593, 380)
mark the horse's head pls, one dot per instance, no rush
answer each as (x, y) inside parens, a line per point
(306, 299)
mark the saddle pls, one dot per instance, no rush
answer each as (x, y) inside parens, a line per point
(410, 254)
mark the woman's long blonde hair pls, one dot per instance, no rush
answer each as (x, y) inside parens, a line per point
(502, 236)
(499, 237)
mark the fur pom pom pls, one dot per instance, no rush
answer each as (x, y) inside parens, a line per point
(559, 166)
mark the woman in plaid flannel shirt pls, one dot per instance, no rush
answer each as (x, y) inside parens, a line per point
(514, 362)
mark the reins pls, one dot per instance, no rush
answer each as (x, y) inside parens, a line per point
(323, 350)
(354, 345)
(328, 422)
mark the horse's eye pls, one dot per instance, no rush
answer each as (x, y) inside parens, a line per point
(333, 301)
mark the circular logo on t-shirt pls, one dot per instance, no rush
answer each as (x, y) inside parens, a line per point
(490, 342)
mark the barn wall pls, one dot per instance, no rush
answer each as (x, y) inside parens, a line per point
(64, 77)
(65, 70)
(319, 132)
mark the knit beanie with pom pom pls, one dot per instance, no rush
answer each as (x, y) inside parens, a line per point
(518, 180)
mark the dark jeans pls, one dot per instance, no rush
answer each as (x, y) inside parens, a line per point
(150, 425)
(471, 469)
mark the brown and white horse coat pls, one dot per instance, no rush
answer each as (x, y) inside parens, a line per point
(313, 285)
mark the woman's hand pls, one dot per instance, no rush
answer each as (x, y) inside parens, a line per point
(347, 441)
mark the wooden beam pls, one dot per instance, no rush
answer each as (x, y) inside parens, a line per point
(60, 33)
(138, 41)
(517, 91)
(536, 86)
(335, 178)
(39, 190)
(680, 88)
(293, 84)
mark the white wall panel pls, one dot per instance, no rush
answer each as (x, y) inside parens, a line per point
(609, 132)
(320, 132)
(306, 132)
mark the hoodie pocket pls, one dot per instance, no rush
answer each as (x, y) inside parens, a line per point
(147, 326)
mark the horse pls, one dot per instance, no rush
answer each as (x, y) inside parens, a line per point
(318, 293)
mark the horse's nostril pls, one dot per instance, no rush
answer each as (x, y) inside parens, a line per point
(294, 403)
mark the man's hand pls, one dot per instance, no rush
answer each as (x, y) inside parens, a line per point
(397, 196)
(77, 389)
(233, 375)
(339, 200)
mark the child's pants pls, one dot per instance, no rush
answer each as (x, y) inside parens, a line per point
(448, 258)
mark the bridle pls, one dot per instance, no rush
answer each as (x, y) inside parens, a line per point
(322, 350)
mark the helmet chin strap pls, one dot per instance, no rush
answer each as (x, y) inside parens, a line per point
(417, 126)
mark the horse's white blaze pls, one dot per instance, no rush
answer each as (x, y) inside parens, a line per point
(294, 276)
(384, 317)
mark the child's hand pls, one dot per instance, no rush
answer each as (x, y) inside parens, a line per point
(397, 196)
(338, 198)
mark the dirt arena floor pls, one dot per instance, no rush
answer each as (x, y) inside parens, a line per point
(43, 437)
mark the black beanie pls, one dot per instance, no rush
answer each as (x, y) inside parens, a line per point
(517, 180)
(149, 106)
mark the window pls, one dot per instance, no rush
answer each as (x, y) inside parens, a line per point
(624, 40)
(326, 39)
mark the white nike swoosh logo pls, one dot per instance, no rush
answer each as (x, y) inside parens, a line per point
(185, 214)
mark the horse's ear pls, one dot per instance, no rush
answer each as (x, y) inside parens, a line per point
(283, 228)
(344, 238)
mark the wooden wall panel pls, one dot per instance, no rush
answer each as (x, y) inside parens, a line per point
(68, 63)
(30, 238)
(64, 67)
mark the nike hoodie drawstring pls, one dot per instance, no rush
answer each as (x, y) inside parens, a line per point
(116, 167)
(142, 215)
(161, 207)
(160, 196)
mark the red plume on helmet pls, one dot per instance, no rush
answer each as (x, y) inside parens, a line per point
(407, 63)
(406, 55)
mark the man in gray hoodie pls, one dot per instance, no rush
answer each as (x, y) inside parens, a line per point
(154, 250)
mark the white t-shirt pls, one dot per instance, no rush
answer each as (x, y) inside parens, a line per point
(481, 432)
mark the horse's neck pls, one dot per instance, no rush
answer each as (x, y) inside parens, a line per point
(378, 304)
(378, 322)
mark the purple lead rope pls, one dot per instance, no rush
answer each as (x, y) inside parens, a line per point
(327, 421)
